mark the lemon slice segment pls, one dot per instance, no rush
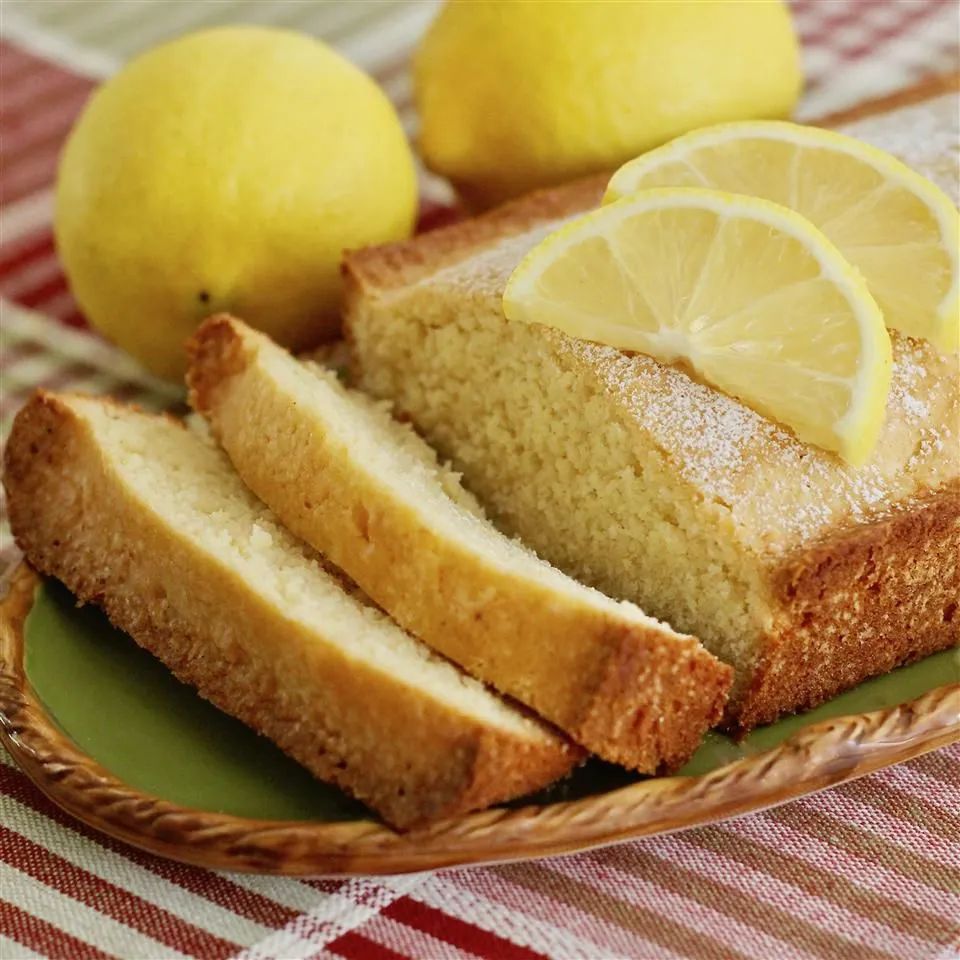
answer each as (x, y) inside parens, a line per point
(900, 230)
(747, 294)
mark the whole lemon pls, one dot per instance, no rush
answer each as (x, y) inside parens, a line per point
(516, 95)
(227, 170)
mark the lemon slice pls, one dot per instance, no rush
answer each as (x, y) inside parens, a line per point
(746, 293)
(899, 229)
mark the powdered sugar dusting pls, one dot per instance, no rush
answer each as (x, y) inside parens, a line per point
(698, 419)
(487, 272)
(907, 390)
(777, 490)
(925, 136)
(915, 407)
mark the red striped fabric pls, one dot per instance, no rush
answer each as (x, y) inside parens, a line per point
(869, 870)
(109, 899)
(43, 937)
(456, 931)
(40, 102)
(217, 888)
(911, 14)
(355, 946)
(25, 249)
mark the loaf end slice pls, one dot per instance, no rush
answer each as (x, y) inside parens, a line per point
(370, 494)
(147, 519)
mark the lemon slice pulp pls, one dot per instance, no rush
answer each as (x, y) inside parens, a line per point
(746, 293)
(900, 230)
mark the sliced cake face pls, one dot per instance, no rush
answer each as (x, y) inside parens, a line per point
(555, 460)
(363, 434)
(148, 519)
(185, 480)
(804, 573)
(368, 492)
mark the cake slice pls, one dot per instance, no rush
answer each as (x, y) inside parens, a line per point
(368, 492)
(805, 574)
(147, 519)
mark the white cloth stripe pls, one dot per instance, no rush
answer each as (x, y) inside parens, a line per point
(146, 28)
(103, 26)
(28, 373)
(363, 16)
(26, 215)
(284, 943)
(291, 893)
(699, 919)
(394, 33)
(76, 918)
(356, 902)
(99, 38)
(122, 872)
(873, 820)
(782, 838)
(410, 941)
(60, 15)
(12, 950)
(899, 61)
(935, 793)
(950, 952)
(399, 88)
(20, 28)
(325, 18)
(331, 20)
(75, 345)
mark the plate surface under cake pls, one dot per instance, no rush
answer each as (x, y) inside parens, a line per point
(157, 766)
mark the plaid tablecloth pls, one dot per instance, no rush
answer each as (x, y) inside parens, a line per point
(867, 870)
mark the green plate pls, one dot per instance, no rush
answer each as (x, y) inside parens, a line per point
(124, 709)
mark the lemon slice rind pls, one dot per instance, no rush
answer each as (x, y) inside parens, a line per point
(945, 331)
(855, 432)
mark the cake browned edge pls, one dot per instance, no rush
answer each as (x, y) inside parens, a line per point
(857, 582)
(399, 264)
(916, 538)
(484, 766)
(622, 664)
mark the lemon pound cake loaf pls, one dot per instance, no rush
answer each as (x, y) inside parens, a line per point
(369, 493)
(805, 574)
(147, 519)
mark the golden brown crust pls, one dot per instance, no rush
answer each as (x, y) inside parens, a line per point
(381, 268)
(815, 756)
(859, 603)
(400, 264)
(834, 626)
(413, 758)
(633, 692)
